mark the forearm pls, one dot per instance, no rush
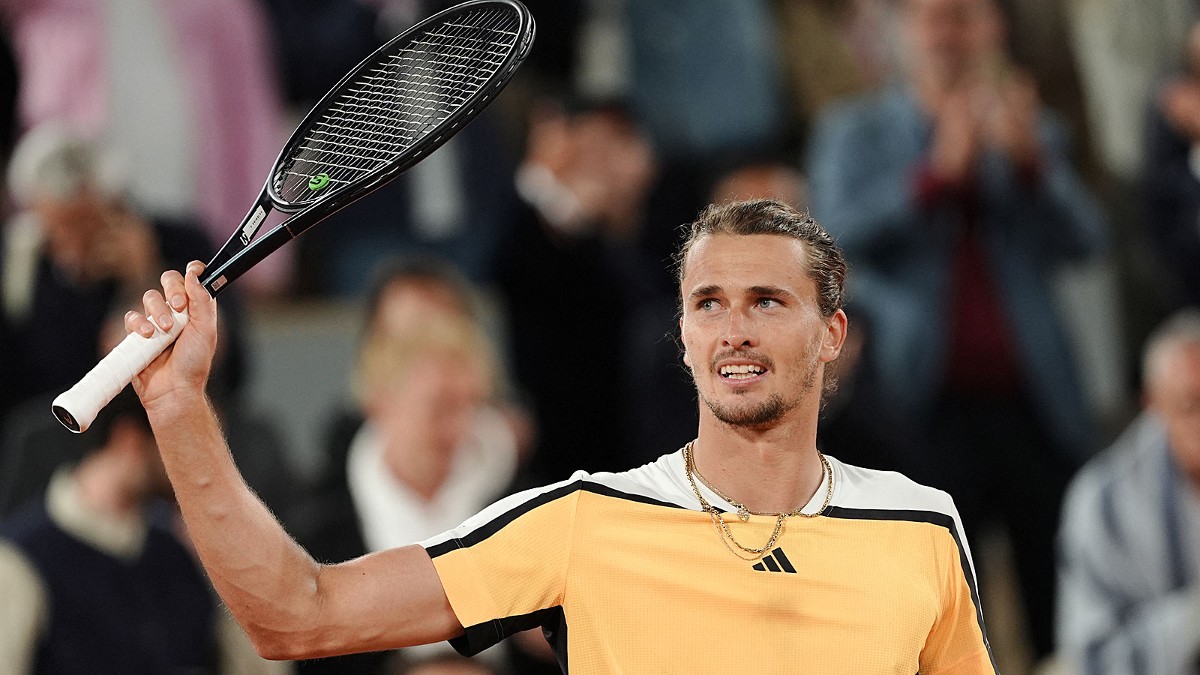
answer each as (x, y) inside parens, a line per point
(268, 581)
(290, 606)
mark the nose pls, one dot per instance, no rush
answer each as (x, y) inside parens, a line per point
(739, 333)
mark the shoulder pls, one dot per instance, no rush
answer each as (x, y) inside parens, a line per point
(1130, 471)
(891, 497)
(886, 494)
(659, 483)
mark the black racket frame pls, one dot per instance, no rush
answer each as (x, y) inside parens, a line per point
(241, 253)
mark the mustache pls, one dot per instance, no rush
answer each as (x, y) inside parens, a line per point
(741, 354)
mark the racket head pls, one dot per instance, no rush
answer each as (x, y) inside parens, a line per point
(399, 104)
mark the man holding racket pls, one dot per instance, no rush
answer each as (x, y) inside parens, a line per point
(746, 547)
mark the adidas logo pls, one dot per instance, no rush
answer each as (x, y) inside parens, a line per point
(775, 561)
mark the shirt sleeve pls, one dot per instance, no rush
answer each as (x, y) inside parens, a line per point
(957, 642)
(505, 569)
(23, 613)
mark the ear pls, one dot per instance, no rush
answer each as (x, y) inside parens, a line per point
(834, 337)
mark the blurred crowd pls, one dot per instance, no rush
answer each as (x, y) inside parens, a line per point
(1016, 184)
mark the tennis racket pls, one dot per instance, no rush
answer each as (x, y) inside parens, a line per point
(394, 108)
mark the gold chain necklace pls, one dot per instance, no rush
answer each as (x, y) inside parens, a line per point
(718, 518)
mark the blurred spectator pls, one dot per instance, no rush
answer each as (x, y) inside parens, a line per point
(432, 449)
(571, 280)
(95, 578)
(75, 250)
(429, 444)
(953, 198)
(1123, 47)
(1130, 543)
(187, 88)
(831, 49)
(704, 78)
(1172, 175)
(1123, 50)
(1039, 40)
(735, 105)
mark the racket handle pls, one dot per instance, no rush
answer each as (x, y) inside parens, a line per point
(77, 407)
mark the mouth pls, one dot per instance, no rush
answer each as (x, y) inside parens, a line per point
(742, 372)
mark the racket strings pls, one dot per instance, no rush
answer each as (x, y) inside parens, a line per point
(390, 107)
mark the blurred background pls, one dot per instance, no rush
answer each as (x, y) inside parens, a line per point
(1015, 183)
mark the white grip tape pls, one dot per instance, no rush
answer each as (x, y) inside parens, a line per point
(77, 407)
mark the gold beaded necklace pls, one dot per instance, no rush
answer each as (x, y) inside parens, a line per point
(743, 513)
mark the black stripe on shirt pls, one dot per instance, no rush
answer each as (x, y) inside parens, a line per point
(496, 524)
(479, 637)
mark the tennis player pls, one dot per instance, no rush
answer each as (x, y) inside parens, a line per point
(748, 550)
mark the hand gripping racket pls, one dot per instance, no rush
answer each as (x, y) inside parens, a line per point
(400, 104)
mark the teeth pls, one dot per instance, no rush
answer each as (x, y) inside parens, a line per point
(740, 372)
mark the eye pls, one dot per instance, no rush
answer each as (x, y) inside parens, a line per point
(706, 305)
(768, 303)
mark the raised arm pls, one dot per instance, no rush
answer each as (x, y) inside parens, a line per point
(289, 605)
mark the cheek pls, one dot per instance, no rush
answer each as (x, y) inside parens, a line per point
(685, 341)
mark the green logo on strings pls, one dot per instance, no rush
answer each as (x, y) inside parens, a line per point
(318, 182)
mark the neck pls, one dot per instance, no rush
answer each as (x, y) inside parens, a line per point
(770, 470)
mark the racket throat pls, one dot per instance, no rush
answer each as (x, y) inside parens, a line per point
(216, 278)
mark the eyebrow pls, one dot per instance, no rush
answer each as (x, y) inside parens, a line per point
(770, 290)
(713, 289)
(704, 291)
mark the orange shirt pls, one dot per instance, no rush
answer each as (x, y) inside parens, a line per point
(628, 575)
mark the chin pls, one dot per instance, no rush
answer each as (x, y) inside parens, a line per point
(750, 415)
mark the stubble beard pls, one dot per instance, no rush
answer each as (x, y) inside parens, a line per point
(766, 412)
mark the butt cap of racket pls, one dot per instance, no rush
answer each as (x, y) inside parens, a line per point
(77, 407)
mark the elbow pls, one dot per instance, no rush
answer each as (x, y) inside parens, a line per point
(275, 646)
(274, 651)
(286, 646)
(292, 630)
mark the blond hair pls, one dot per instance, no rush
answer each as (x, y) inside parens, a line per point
(385, 358)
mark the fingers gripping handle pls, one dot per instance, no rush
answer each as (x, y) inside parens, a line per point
(77, 407)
